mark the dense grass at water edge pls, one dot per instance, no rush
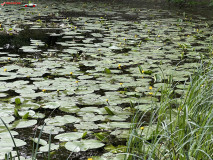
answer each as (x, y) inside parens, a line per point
(178, 128)
(178, 2)
(191, 2)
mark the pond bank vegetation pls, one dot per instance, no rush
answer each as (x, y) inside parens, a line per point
(179, 128)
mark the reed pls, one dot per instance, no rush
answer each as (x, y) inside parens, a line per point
(178, 129)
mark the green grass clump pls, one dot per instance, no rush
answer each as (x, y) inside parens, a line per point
(179, 128)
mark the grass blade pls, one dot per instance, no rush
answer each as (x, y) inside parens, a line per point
(12, 138)
(49, 145)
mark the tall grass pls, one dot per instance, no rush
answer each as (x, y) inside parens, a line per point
(191, 2)
(178, 129)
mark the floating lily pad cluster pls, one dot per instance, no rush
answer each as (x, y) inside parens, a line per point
(89, 65)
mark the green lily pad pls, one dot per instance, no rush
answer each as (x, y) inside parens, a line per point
(86, 125)
(7, 142)
(61, 120)
(46, 147)
(51, 129)
(24, 123)
(120, 133)
(51, 105)
(41, 141)
(69, 136)
(83, 145)
(92, 117)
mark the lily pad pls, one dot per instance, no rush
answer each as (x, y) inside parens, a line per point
(41, 141)
(51, 105)
(46, 147)
(61, 120)
(23, 123)
(51, 129)
(69, 136)
(83, 145)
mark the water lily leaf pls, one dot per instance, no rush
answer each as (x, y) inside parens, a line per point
(40, 141)
(7, 135)
(46, 147)
(69, 136)
(61, 120)
(23, 123)
(51, 105)
(120, 124)
(7, 120)
(38, 115)
(69, 109)
(118, 117)
(51, 129)
(30, 105)
(120, 133)
(92, 110)
(92, 117)
(83, 145)
(26, 113)
(2, 95)
(144, 107)
(86, 125)
(7, 142)
(6, 150)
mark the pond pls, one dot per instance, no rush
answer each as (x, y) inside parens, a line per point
(78, 70)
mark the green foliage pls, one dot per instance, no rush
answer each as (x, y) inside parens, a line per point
(26, 116)
(140, 69)
(16, 113)
(211, 3)
(149, 72)
(107, 71)
(190, 2)
(84, 135)
(99, 136)
(17, 101)
(176, 129)
(109, 111)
